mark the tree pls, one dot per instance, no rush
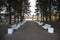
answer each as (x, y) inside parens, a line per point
(16, 5)
(58, 8)
(43, 8)
(37, 16)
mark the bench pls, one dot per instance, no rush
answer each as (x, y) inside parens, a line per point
(23, 22)
(10, 31)
(17, 27)
(36, 22)
(46, 26)
(14, 26)
(40, 23)
(51, 30)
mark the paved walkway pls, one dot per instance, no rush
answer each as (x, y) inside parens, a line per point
(31, 31)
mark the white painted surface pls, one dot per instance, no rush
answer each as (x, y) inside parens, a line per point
(14, 26)
(51, 30)
(40, 23)
(17, 27)
(46, 26)
(10, 31)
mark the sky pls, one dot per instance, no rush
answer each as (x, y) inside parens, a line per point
(32, 8)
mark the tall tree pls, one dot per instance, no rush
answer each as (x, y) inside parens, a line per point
(58, 8)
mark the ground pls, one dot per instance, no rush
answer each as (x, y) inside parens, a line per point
(32, 31)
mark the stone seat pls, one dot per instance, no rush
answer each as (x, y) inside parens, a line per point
(10, 30)
(46, 26)
(51, 30)
(40, 23)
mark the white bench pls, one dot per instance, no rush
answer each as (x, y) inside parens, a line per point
(10, 31)
(51, 30)
(23, 22)
(14, 26)
(17, 27)
(36, 21)
(40, 23)
(46, 26)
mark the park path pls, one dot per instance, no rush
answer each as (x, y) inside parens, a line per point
(32, 31)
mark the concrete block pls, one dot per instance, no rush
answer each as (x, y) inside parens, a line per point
(46, 26)
(10, 31)
(51, 30)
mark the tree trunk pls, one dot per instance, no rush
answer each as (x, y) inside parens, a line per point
(59, 16)
(10, 19)
(9, 9)
(21, 17)
(18, 18)
(46, 18)
(50, 16)
(41, 16)
(0, 16)
(50, 10)
(9, 15)
(14, 19)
